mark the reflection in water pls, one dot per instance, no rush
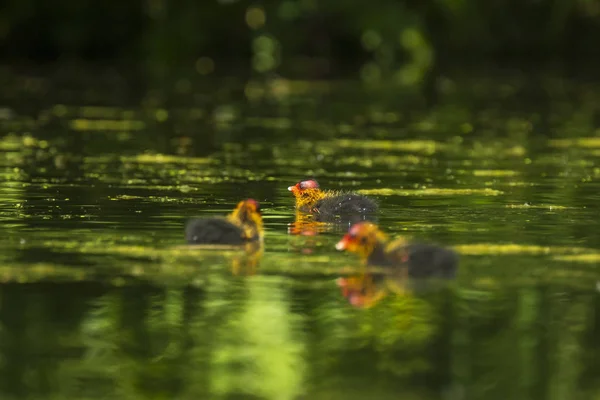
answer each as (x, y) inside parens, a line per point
(309, 227)
(248, 262)
(244, 259)
(258, 351)
(306, 225)
(370, 287)
(265, 337)
(363, 290)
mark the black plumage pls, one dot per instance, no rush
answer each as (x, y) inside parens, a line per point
(428, 260)
(345, 206)
(213, 231)
(423, 260)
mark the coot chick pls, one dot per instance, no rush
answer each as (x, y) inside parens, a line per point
(331, 205)
(423, 260)
(243, 225)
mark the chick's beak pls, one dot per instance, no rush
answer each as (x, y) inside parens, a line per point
(341, 245)
(291, 188)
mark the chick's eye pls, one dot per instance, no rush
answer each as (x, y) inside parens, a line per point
(364, 240)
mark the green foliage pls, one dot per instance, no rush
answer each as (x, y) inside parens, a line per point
(399, 40)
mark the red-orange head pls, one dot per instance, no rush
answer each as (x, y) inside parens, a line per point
(362, 238)
(307, 193)
(299, 188)
(247, 215)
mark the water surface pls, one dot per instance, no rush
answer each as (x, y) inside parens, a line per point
(99, 299)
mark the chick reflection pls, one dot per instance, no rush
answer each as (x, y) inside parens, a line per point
(244, 260)
(365, 290)
(247, 263)
(368, 289)
(407, 266)
(308, 234)
(307, 231)
(306, 225)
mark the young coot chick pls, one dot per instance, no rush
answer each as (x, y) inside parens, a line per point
(243, 225)
(422, 259)
(328, 205)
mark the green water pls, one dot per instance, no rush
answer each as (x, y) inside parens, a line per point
(100, 299)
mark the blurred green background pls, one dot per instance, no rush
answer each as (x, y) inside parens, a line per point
(309, 38)
(471, 122)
